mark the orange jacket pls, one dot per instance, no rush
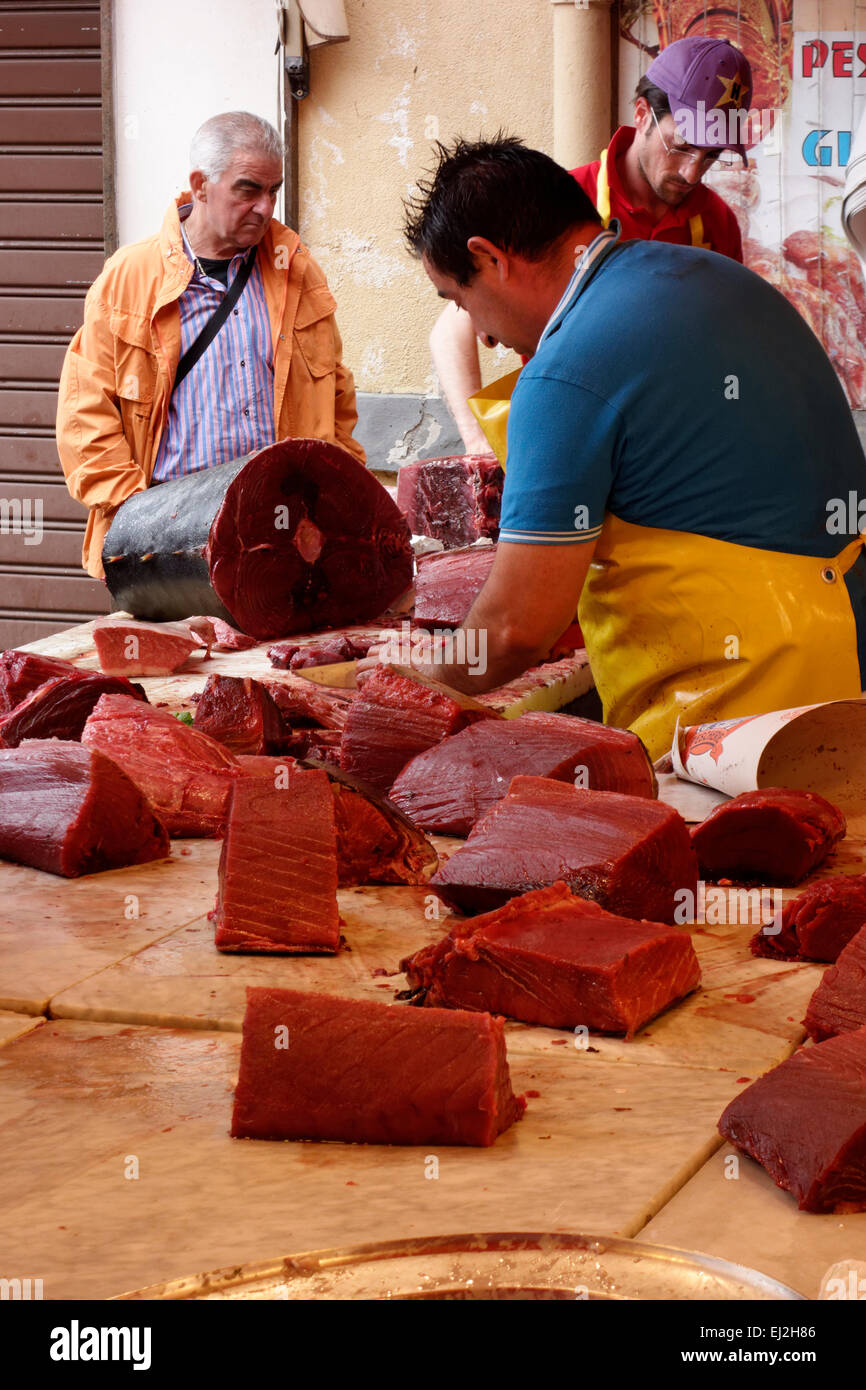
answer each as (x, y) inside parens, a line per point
(119, 368)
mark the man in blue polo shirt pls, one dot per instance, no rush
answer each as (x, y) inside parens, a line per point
(677, 448)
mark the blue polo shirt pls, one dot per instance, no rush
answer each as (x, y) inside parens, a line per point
(677, 389)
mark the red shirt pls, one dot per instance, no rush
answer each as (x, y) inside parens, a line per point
(702, 219)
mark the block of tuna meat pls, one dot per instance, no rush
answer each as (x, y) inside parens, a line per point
(370, 1073)
(818, 923)
(456, 500)
(448, 584)
(186, 776)
(805, 1122)
(453, 784)
(777, 835)
(631, 855)
(278, 868)
(70, 810)
(213, 632)
(297, 537)
(303, 703)
(396, 716)
(295, 656)
(555, 960)
(60, 707)
(128, 648)
(239, 712)
(23, 672)
(839, 1003)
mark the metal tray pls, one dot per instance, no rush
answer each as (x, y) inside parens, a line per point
(517, 1266)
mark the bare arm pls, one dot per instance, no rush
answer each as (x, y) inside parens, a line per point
(454, 349)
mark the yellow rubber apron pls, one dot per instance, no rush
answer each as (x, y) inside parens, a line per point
(680, 624)
(491, 404)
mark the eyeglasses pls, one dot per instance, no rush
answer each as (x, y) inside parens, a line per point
(688, 154)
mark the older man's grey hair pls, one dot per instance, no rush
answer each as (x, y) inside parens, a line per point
(215, 142)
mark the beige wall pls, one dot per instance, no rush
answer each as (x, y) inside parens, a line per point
(410, 73)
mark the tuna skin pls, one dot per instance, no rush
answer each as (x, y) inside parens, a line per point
(819, 923)
(552, 959)
(839, 1003)
(70, 811)
(278, 868)
(370, 1073)
(631, 855)
(60, 707)
(450, 786)
(778, 835)
(805, 1123)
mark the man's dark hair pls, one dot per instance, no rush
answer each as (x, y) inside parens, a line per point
(518, 198)
(656, 99)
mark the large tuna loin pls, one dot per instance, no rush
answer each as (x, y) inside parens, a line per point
(456, 500)
(278, 867)
(370, 1073)
(839, 1003)
(296, 537)
(553, 959)
(186, 776)
(818, 923)
(631, 855)
(777, 835)
(72, 811)
(805, 1122)
(240, 713)
(60, 707)
(395, 717)
(447, 585)
(452, 785)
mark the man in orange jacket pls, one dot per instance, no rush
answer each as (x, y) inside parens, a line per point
(274, 369)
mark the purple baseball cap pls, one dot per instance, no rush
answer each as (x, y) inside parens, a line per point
(708, 83)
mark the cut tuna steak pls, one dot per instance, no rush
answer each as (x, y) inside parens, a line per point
(70, 810)
(631, 855)
(128, 648)
(370, 1073)
(278, 868)
(60, 707)
(448, 584)
(238, 712)
(553, 959)
(453, 784)
(186, 776)
(396, 716)
(818, 923)
(456, 500)
(297, 537)
(839, 1003)
(23, 672)
(777, 835)
(805, 1122)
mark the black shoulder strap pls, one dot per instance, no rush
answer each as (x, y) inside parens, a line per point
(215, 322)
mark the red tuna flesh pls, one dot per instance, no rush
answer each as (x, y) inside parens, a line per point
(839, 1003)
(70, 810)
(805, 1122)
(128, 648)
(457, 500)
(370, 1073)
(186, 776)
(453, 784)
(278, 868)
(23, 672)
(447, 585)
(295, 656)
(213, 632)
(818, 923)
(306, 703)
(60, 707)
(777, 835)
(238, 712)
(397, 716)
(553, 959)
(316, 743)
(631, 855)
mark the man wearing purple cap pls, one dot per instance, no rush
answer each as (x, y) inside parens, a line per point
(688, 108)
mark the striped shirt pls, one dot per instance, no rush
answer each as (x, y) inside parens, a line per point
(224, 407)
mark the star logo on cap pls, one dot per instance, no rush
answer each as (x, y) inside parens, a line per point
(733, 90)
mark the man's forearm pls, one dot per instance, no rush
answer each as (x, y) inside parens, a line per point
(454, 349)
